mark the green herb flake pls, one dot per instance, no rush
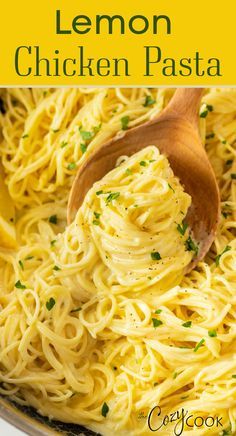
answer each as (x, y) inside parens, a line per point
(55, 130)
(187, 324)
(124, 122)
(86, 136)
(99, 192)
(83, 148)
(225, 214)
(227, 431)
(204, 114)
(29, 257)
(97, 215)
(128, 171)
(78, 309)
(56, 268)
(19, 285)
(105, 410)
(217, 259)
(143, 163)
(191, 246)
(158, 311)
(50, 304)
(53, 219)
(175, 375)
(149, 101)
(53, 242)
(25, 136)
(71, 166)
(96, 129)
(112, 196)
(212, 333)
(21, 264)
(210, 108)
(156, 322)
(64, 144)
(182, 228)
(199, 345)
(233, 176)
(172, 189)
(210, 136)
(224, 141)
(156, 255)
(96, 222)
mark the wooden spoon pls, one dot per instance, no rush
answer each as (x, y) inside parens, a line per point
(175, 133)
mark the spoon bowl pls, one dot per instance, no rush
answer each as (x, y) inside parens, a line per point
(175, 133)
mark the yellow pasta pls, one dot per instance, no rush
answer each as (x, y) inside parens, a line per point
(99, 323)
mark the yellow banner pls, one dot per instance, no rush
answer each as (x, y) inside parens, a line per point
(125, 42)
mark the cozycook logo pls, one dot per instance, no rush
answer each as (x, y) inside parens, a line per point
(181, 419)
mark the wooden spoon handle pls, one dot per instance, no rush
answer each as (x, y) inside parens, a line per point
(185, 103)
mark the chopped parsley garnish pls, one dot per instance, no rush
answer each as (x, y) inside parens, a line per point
(158, 311)
(124, 122)
(227, 431)
(83, 148)
(96, 222)
(97, 128)
(64, 144)
(226, 214)
(55, 130)
(78, 309)
(112, 196)
(234, 376)
(86, 136)
(21, 264)
(175, 375)
(53, 242)
(187, 324)
(56, 268)
(204, 113)
(156, 255)
(217, 259)
(156, 322)
(50, 304)
(97, 215)
(172, 189)
(210, 135)
(25, 136)
(212, 333)
(191, 246)
(233, 176)
(29, 257)
(19, 285)
(199, 345)
(71, 166)
(149, 101)
(182, 229)
(128, 171)
(143, 163)
(224, 141)
(105, 410)
(99, 192)
(53, 219)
